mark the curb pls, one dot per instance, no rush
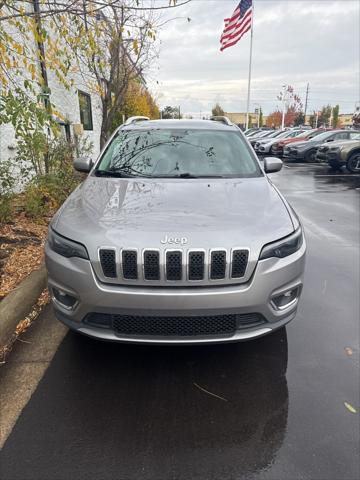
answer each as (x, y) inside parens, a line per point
(18, 303)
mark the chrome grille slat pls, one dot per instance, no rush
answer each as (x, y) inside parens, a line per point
(218, 264)
(108, 262)
(129, 264)
(151, 265)
(173, 265)
(239, 263)
(196, 265)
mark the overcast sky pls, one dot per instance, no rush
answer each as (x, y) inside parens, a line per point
(295, 42)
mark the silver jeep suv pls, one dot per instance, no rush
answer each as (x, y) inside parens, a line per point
(177, 235)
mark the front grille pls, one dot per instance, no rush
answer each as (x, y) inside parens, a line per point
(218, 265)
(107, 260)
(129, 264)
(170, 326)
(151, 265)
(181, 266)
(239, 263)
(196, 265)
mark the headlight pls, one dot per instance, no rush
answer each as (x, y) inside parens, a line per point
(65, 247)
(284, 247)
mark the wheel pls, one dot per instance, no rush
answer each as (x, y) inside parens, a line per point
(310, 156)
(353, 164)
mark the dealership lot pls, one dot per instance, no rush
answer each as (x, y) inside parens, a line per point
(265, 409)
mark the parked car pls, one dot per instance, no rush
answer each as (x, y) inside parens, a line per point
(177, 235)
(278, 147)
(265, 146)
(342, 153)
(306, 151)
(264, 135)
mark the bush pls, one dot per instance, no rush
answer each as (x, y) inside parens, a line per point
(5, 208)
(6, 186)
(44, 195)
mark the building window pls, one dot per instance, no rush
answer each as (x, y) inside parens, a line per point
(85, 110)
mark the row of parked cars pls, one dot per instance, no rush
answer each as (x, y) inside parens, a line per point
(338, 148)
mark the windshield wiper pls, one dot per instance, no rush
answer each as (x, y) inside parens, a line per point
(112, 173)
(189, 175)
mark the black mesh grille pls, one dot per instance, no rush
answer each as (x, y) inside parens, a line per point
(239, 263)
(129, 264)
(151, 265)
(218, 265)
(196, 265)
(107, 260)
(173, 265)
(174, 326)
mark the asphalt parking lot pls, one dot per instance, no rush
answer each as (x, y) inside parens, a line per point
(271, 408)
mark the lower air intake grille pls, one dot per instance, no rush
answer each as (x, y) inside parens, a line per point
(196, 265)
(108, 265)
(174, 326)
(184, 326)
(129, 264)
(151, 265)
(239, 263)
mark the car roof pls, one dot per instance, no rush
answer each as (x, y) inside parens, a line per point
(180, 124)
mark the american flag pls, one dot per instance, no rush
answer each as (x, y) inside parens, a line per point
(237, 25)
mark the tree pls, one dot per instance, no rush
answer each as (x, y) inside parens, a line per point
(137, 101)
(261, 118)
(170, 112)
(274, 119)
(217, 111)
(335, 116)
(292, 103)
(109, 43)
(299, 119)
(325, 114)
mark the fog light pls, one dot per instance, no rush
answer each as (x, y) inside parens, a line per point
(66, 300)
(284, 300)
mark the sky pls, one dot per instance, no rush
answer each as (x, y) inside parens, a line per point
(295, 42)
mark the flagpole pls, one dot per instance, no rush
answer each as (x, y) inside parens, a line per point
(250, 65)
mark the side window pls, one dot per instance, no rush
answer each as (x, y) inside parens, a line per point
(85, 110)
(355, 135)
(341, 136)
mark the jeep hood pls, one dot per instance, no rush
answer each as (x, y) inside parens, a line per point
(138, 213)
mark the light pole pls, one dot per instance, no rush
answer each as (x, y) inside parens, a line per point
(283, 106)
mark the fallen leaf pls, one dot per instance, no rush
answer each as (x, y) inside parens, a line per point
(210, 393)
(350, 407)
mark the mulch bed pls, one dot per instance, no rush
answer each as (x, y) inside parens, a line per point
(21, 250)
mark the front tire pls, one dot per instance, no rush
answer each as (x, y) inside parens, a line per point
(353, 164)
(310, 156)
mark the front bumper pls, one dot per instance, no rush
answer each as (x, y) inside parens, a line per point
(294, 155)
(272, 277)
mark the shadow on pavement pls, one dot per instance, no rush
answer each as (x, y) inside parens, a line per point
(106, 411)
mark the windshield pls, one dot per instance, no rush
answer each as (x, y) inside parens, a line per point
(178, 153)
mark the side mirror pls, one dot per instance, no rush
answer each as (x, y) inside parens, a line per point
(83, 164)
(272, 164)
(329, 140)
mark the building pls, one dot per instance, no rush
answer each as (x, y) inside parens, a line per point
(78, 110)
